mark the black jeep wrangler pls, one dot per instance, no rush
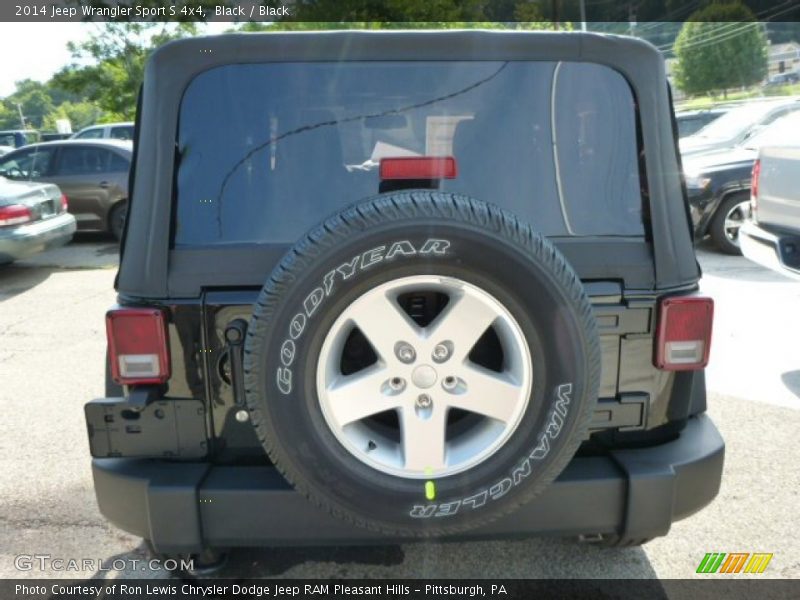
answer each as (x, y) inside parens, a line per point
(384, 286)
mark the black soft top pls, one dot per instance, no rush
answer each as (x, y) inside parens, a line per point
(151, 269)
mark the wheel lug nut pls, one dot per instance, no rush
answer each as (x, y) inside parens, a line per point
(449, 383)
(441, 352)
(424, 401)
(405, 352)
(396, 384)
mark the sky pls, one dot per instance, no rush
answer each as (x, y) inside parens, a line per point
(38, 50)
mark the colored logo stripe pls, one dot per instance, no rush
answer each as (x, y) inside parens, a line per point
(758, 562)
(711, 562)
(734, 562)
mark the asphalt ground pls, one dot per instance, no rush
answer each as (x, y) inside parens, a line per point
(52, 345)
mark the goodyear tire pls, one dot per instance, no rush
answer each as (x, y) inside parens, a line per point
(421, 364)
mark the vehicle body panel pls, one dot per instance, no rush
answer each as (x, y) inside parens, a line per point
(779, 188)
(117, 131)
(174, 66)
(715, 175)
(749, 119)
(186, 507)
(772, 236)
(204, 289)
(18, 137)
(728, 172)
(692, 121)
(91, 192)
(51, 227)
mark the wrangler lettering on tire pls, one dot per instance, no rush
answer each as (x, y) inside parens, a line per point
(421, 341)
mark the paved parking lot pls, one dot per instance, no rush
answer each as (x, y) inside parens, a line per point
(51, 361)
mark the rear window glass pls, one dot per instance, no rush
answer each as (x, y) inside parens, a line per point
(266, 151)
(90, 134)
(124, 132)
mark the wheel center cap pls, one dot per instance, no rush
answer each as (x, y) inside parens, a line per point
(424, 376)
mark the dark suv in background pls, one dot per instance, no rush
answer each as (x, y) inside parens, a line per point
(442, 286)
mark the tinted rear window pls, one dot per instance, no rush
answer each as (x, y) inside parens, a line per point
(268, 150)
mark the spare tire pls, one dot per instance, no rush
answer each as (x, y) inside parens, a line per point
(421, 364)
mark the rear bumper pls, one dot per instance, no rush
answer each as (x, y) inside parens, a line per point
(25, 240)
(183, 507)
(774, 250)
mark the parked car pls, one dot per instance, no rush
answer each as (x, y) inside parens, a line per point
(117, 131)
(718, 183)
(92, 173)
(735, 126)
(691, 121)
(783, 79)
(33, 218)
(771, 237)
(18, 137)
(52, 136)
(386, 363)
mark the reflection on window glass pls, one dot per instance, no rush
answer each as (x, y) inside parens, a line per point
(594, 116)
(82, 160)
(91, 134)
(117, 164)
(27, 164)
(296, 142)
(122, 133)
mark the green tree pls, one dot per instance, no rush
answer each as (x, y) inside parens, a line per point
(720, 47)
(79, 114)
(9, 117)
(35, 101)
(109, 66)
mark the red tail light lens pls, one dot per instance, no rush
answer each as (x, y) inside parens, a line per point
(754, 188)
(15, 214)
(683, 340)
(418, 167)
(64, 203)
(137, 344)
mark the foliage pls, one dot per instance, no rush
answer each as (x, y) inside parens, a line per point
(719, 48)
(102, 81)
(80, 115)
(109, 66)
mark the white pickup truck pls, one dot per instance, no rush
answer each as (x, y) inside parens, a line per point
(771, 237)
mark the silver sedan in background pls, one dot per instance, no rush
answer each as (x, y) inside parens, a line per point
(33, 218)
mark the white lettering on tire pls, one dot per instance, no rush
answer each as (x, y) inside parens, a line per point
(520, 472)
(345, 271)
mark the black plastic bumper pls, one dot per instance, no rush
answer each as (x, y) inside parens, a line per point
(775, 250)
(183, 507)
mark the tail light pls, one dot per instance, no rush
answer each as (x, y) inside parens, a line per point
(754, 189)
(64, 203)
(418, 167)
(683, 340)
(15, 214)
(137, 344)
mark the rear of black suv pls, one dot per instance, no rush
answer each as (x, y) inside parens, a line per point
(380, 286)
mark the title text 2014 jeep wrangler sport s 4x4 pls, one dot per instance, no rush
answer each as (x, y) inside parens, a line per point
(382, 286)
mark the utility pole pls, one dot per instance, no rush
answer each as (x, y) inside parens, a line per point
(631, 19)
(583, 14)
(21, 116)
(555, 14)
